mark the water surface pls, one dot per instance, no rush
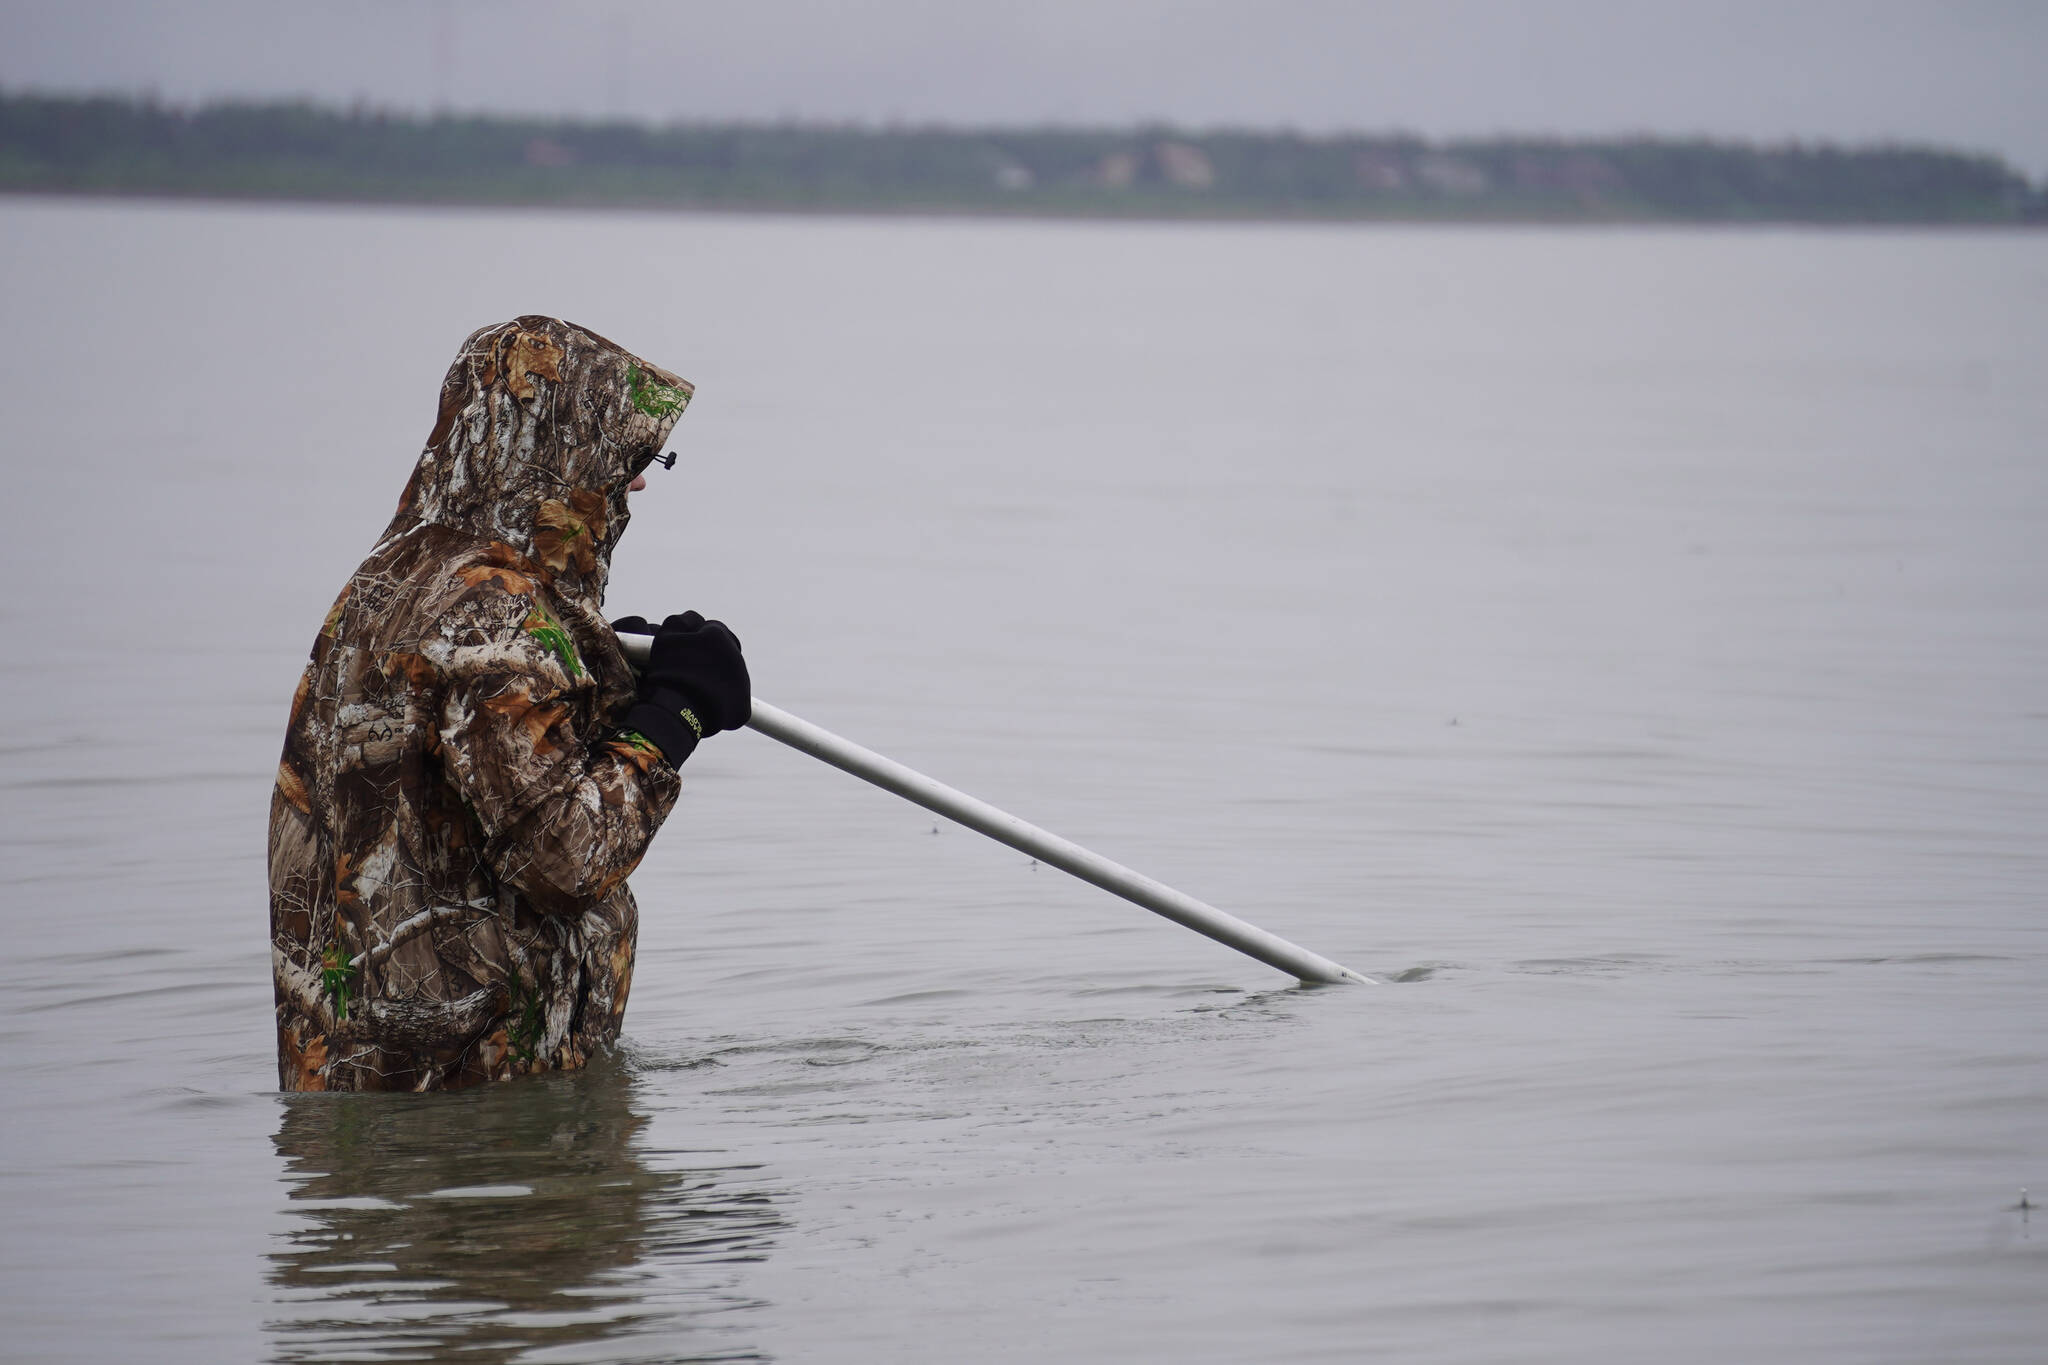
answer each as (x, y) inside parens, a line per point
(1626, 644)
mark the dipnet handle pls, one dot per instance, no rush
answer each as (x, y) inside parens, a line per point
(1005, 828)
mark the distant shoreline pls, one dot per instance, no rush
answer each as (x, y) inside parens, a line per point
(200, 198)
(107, 148)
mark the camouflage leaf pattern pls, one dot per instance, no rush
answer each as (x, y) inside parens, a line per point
(456, 811)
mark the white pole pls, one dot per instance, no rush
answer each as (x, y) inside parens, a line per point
(1005, 828)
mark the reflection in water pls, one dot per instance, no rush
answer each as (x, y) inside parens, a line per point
(507, 1220)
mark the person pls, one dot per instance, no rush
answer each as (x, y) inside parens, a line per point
(471, 769)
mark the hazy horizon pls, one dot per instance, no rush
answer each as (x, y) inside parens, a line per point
(1963, 76)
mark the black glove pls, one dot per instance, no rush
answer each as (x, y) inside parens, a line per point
(695, 683)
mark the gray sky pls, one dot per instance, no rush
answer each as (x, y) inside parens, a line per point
(1968, 73)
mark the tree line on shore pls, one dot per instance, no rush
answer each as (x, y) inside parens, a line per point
(120, 145)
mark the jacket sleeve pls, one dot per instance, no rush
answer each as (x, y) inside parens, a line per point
(566, 809)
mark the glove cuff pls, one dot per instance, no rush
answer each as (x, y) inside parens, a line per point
(661, 717)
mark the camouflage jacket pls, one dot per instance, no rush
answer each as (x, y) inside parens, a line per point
(456, 811)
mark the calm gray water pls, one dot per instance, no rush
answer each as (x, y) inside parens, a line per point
(1627, 645)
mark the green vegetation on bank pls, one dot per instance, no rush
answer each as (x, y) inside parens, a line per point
(104, 145)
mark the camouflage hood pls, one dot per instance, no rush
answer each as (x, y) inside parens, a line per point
(542, 428)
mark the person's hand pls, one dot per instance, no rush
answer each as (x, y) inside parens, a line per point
(695, 683)
(701, 660)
